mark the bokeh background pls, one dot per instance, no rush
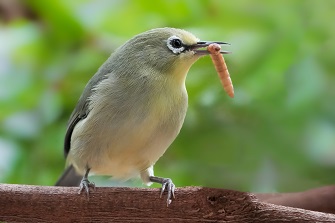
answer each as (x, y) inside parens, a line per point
(277, 134)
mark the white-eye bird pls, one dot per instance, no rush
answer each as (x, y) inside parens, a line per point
(132, 109)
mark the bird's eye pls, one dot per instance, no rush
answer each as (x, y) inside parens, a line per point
(175, 44)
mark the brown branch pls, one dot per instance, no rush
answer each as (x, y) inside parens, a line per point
(22, 203)
(319, 199)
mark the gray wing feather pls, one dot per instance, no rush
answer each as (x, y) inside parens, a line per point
(82, 108)
(69, 178)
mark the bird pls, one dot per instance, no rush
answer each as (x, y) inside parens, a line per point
(132, 109)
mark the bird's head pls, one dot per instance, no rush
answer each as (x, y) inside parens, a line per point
(165, 51)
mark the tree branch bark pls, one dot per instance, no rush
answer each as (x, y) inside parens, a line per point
(320, 199)
(23, 203)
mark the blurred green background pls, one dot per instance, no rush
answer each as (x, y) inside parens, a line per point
(277, 134)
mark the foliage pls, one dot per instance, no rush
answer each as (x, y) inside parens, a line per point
(277, 134)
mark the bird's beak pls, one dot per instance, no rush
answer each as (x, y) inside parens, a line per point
(197, 48)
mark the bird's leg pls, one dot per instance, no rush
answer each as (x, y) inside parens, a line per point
(167, 185)
(85, 184)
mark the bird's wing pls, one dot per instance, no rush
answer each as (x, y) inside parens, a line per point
(82, 108)
(69, 178)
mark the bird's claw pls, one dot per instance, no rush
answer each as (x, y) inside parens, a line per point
(169, 186)
(85, 184)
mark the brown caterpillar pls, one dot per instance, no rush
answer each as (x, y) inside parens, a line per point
(221, 68)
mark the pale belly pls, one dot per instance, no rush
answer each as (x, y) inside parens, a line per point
(121, 149)
(134, 151)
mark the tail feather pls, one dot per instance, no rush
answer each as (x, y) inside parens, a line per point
(69, 178)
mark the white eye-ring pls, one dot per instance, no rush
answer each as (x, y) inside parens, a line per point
(175, 44)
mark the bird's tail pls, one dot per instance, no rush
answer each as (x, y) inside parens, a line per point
(69, 178)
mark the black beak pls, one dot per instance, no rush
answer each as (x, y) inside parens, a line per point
(202, 44)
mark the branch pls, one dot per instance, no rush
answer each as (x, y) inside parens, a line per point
(319, 199)
(22, 203)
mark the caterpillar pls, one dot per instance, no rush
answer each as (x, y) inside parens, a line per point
(221, 68)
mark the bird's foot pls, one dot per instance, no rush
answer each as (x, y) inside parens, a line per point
(167, 185)
(85, 184)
